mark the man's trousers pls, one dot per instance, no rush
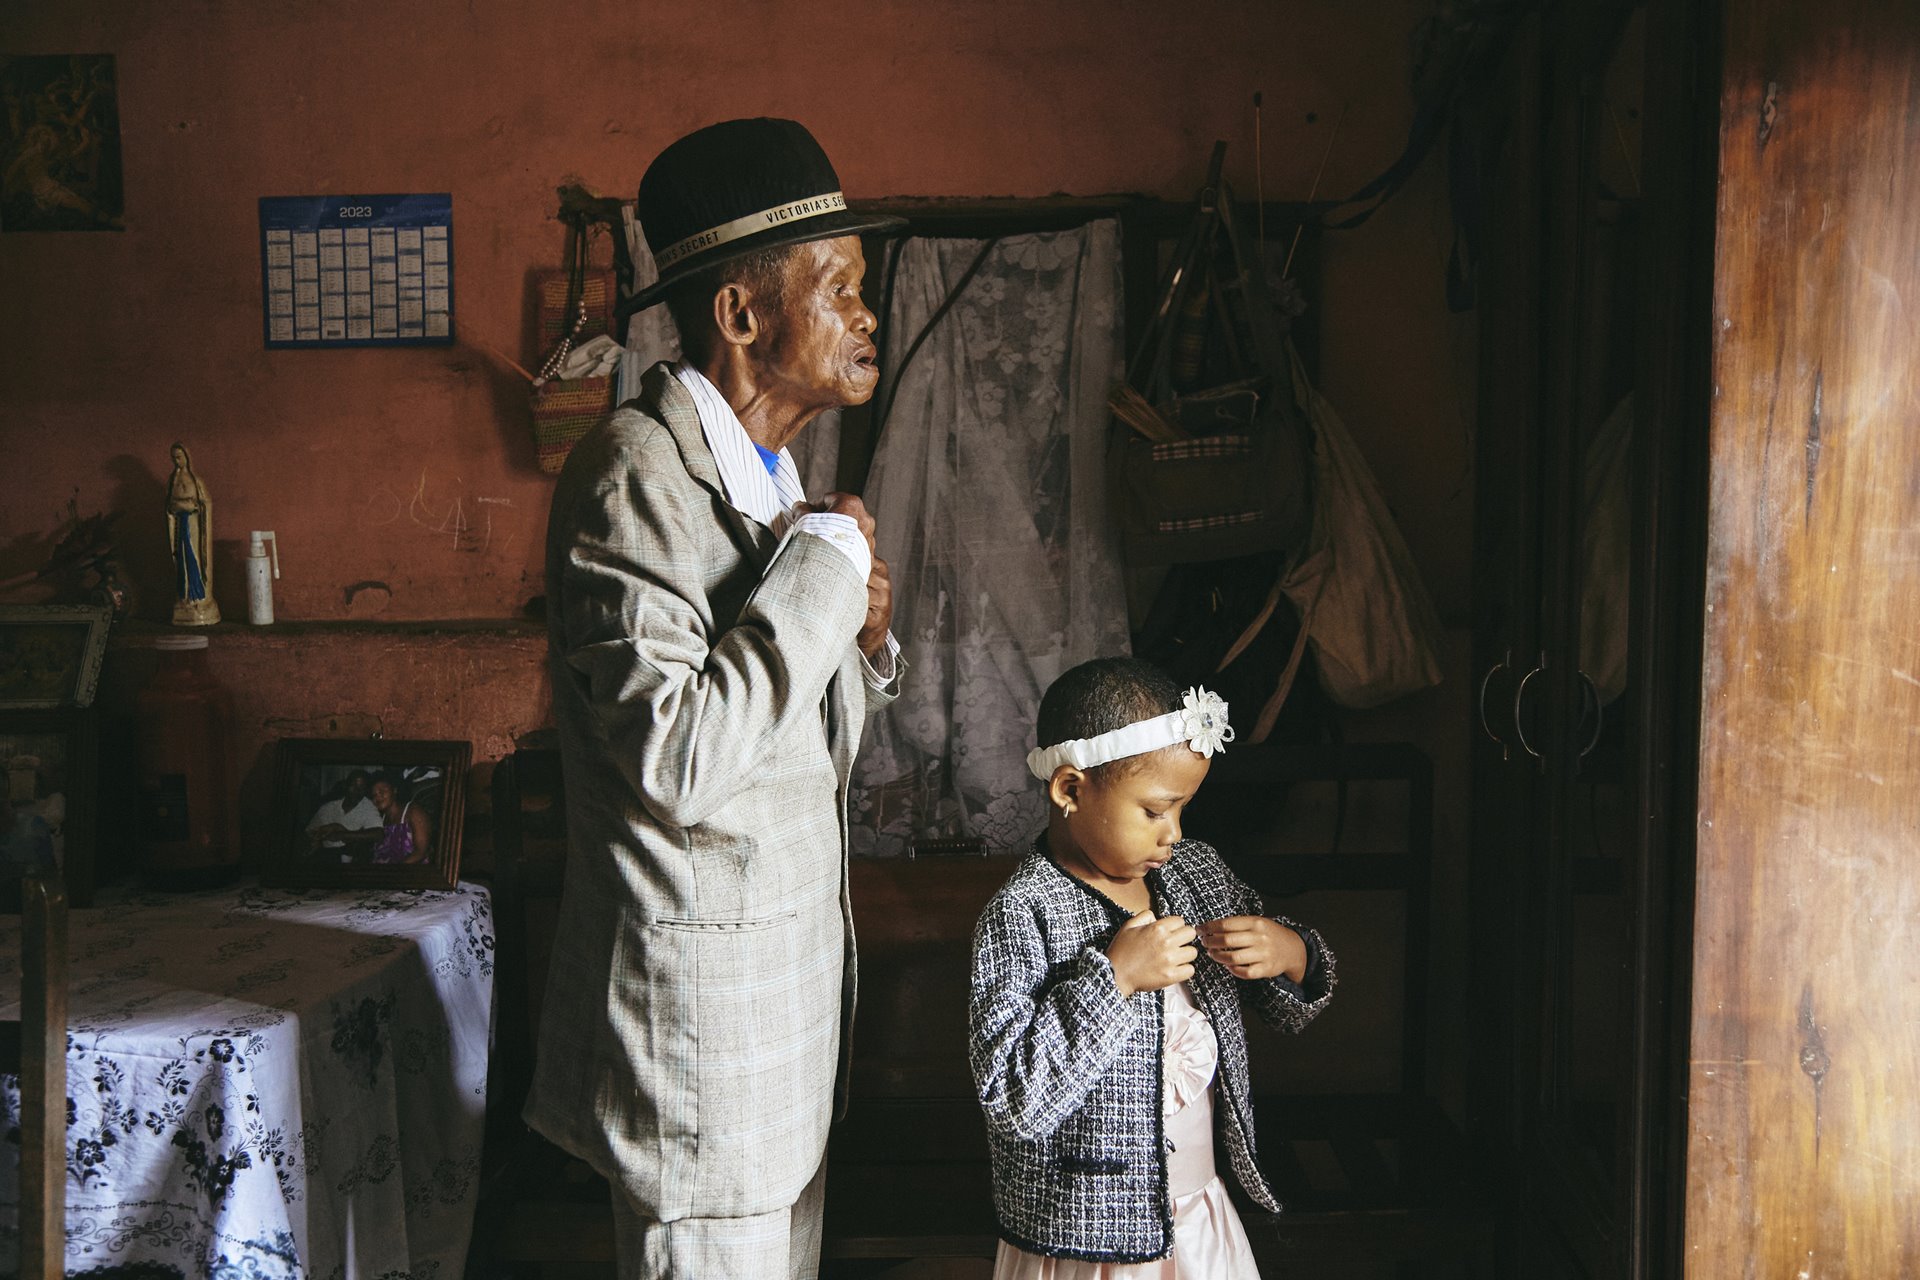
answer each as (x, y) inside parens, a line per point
(781, 1245)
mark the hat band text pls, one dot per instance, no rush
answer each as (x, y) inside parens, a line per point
(765, 220)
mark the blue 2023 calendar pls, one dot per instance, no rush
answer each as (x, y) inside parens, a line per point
(357, 271)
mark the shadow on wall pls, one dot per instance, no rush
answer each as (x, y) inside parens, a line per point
(26, 552)
(508, 388)
(140, 496)
(512, 408)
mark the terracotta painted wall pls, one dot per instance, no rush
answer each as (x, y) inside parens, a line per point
(413, 468)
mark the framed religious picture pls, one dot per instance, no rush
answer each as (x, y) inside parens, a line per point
(50, 654)
(48, 769)
(60, 143)
(367, 814)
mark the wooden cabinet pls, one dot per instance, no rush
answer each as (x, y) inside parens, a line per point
(1587, 563)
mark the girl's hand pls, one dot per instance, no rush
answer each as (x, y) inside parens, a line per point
(1255, 947)
(1148, 954)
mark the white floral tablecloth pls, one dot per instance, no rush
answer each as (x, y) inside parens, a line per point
(263, 1084)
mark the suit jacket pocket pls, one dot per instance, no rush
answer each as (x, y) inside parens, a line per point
(749, 925)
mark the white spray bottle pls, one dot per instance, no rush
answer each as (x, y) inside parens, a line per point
(260, 575)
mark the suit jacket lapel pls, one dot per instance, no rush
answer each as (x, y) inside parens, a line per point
(662, 396)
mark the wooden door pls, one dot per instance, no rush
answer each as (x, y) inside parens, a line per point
(1804, 1093)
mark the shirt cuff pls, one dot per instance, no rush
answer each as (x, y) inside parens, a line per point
(843, 532)
(883, 668)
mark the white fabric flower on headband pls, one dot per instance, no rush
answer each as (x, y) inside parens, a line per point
(1201, 723)
(1204, 721)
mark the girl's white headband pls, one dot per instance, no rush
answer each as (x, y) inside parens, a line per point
(1201, 723)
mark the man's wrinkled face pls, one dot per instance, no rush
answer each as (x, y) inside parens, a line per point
(820, 346)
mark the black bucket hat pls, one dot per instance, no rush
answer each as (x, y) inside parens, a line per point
(734, 188)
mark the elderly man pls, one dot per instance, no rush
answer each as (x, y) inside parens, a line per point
(716, 643)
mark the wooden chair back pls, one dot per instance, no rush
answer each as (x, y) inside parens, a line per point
(35, 1049)
(539, 1206)
(530, 853)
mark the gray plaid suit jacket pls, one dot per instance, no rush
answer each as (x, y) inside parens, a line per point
(709, 699)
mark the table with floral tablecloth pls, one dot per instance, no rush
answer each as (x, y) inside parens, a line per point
(270, 1084)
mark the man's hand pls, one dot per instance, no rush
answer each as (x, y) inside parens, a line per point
(1255, 947)
(873, 632)
(1148, 954)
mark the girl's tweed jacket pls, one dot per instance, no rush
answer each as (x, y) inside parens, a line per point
(1069, 1071)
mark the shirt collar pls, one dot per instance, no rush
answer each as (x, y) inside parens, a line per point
(751, 490)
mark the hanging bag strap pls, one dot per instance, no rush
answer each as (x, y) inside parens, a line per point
(1269, 335)
(576, 303)
(1189, 270)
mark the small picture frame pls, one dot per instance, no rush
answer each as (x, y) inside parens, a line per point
(48, 779)
(380, 814)
(50, 654)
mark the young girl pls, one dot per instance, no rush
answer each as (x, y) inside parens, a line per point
(1108, 976)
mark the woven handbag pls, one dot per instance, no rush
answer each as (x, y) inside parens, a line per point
(563, 410)
(1216, 457)
(576, 304)
(1231, 485)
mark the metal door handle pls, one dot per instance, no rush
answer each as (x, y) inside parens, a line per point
(1505, 664)
(1519, 726)
(1599, 715)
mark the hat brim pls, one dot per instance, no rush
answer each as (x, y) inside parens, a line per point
(827, 226)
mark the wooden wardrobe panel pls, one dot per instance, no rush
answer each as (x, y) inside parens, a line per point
(1804, 1110)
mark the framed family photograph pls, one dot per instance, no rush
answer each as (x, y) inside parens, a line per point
(367, 814)
(48, 771)
(50, 654)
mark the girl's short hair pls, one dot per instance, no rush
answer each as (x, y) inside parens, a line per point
(1103, 695)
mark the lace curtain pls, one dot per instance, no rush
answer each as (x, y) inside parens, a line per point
(988, 488)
